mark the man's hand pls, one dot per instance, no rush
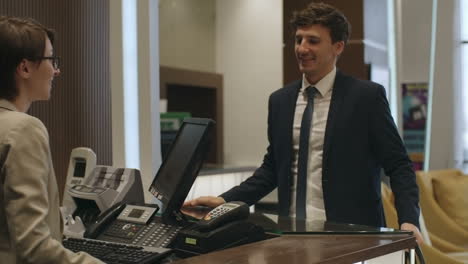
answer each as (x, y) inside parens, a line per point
(210, 201)
(416, 232)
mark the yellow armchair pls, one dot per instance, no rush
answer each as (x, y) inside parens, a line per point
(437, 221)
(432, 255)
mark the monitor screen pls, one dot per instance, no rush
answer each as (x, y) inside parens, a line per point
(180, 167)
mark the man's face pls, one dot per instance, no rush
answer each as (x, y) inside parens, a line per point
(315, 52)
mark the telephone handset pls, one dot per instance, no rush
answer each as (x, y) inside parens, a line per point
(133, 224)
(227, 212)
(103, 220)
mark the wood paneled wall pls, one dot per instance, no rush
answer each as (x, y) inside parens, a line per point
(79, 112)
(352, 59)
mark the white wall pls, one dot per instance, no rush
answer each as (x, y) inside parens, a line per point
(249, 48)
(415, 40)
(187, 33)
(148, 91)
(416, 51)
(135, 144)
(443, 140)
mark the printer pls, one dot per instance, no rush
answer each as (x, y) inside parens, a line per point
(104, 187)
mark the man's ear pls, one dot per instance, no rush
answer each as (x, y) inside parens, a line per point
(24, 69)
(339, 47)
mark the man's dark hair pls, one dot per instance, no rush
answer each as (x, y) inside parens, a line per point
(325, 15)
(20, 38)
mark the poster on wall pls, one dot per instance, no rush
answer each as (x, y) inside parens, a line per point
(414, 102)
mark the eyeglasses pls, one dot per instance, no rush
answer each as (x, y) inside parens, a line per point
(55, 60)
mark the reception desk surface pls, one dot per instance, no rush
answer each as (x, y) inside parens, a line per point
(292, 249)
(302, 241)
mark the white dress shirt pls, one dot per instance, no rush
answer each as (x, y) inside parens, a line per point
(315, 208)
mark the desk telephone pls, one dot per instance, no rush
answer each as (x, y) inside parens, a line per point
(140, 226)
(133, 224)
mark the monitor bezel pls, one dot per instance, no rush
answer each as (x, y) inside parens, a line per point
(171, 208)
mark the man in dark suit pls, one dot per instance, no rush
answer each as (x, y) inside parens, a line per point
(349, 136)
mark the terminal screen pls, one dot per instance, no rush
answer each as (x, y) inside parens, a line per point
(182, 164)
(80, 168)
(136, 213)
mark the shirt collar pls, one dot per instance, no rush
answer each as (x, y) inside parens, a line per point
(324, 85)
(7, 105)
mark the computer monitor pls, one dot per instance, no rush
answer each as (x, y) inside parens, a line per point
(180, 167)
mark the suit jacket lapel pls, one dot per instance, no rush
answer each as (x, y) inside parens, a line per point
(290, 108)
(335, 104)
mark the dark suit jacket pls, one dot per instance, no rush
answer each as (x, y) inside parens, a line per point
(360, 139)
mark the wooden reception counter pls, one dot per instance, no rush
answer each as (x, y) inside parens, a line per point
(292, 249)
(303, 241)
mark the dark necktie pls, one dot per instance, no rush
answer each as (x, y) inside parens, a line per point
(301, 187)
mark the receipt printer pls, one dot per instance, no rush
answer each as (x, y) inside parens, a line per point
(103, 188)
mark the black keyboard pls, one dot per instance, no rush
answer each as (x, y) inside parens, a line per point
(117, 253)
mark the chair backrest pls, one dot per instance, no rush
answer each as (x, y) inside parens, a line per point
(388, 201)
(424, 180)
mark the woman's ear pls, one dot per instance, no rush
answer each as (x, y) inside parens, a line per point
(23, 70)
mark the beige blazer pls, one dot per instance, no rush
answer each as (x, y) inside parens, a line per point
(30, 220)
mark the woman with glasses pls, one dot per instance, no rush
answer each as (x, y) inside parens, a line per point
(30, 220)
